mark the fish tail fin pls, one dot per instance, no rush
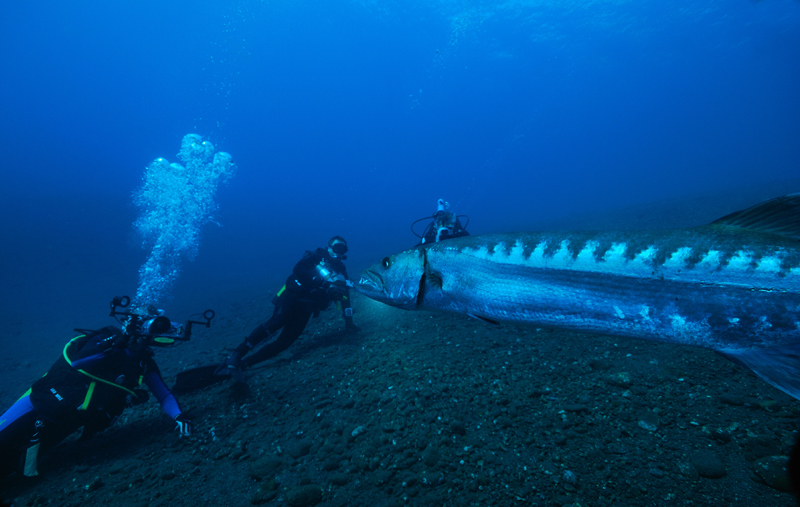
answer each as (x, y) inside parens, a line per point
(777, 366)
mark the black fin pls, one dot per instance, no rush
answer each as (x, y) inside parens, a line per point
(197, 378)
(485, 319)
(433, 278)
(776, 216)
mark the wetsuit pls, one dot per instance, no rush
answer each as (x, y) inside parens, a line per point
(89, 386)
(316, 281)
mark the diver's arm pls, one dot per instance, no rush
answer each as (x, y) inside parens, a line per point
(162, 393)
(168, 402)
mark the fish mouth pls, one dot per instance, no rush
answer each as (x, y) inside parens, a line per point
(371, 284)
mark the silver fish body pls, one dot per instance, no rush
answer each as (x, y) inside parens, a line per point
(732, 286)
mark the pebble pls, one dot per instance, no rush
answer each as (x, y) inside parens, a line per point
(708, 465)
(648, 421)
(769, 405)
(721, 436)
(117, 468)
(265, 467)
(622, 379)
(300, 449)
(94, 485)
(771, 470)
(339, 479)
(457, 428)
(734, 401)
(616, 448)
(599, 365)
(431, 458)
(261, 496)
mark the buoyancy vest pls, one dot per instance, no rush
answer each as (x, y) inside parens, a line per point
(67, 393)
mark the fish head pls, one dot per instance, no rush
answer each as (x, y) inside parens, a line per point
(395, 280)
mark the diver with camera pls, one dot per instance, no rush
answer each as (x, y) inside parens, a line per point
(99, 374)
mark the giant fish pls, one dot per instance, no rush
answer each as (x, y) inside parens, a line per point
(732, 286)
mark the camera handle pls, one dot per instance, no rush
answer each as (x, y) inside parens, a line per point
(207, 315)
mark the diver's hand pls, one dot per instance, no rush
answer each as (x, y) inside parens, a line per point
(183, 425)
(141, 397)
(336, 291)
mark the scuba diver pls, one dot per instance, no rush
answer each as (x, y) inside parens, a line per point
(99, 375)
(317, 280)
(445, 225)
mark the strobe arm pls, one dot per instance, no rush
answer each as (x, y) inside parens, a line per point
(207, 316)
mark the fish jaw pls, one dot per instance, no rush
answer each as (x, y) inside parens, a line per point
(395, 280)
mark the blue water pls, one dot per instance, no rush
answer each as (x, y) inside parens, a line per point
(353, 118)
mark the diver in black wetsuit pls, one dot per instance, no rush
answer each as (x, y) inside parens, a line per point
(445, 225)
(98, 375)
(317, 280)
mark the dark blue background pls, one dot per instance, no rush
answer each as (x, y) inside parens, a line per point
(353, 118)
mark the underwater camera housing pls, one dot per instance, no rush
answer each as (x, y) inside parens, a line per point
(154, 328)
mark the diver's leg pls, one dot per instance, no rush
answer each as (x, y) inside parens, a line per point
(20, 408)
(295, 321)
(17, 435)
(279, 318)
(233, 364)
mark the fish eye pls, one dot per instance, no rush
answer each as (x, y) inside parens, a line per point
(386, 262)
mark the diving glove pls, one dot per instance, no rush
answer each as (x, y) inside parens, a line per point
(184, 425)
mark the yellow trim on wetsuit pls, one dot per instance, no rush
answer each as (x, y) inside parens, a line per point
(96, 379)
(281, 291)
(88, 397)
(27, 392)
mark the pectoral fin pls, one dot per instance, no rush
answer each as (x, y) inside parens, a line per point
(779, 366)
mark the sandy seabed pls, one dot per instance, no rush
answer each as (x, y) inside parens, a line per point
(435, 409)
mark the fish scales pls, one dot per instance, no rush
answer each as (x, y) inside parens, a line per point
(593, 300)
